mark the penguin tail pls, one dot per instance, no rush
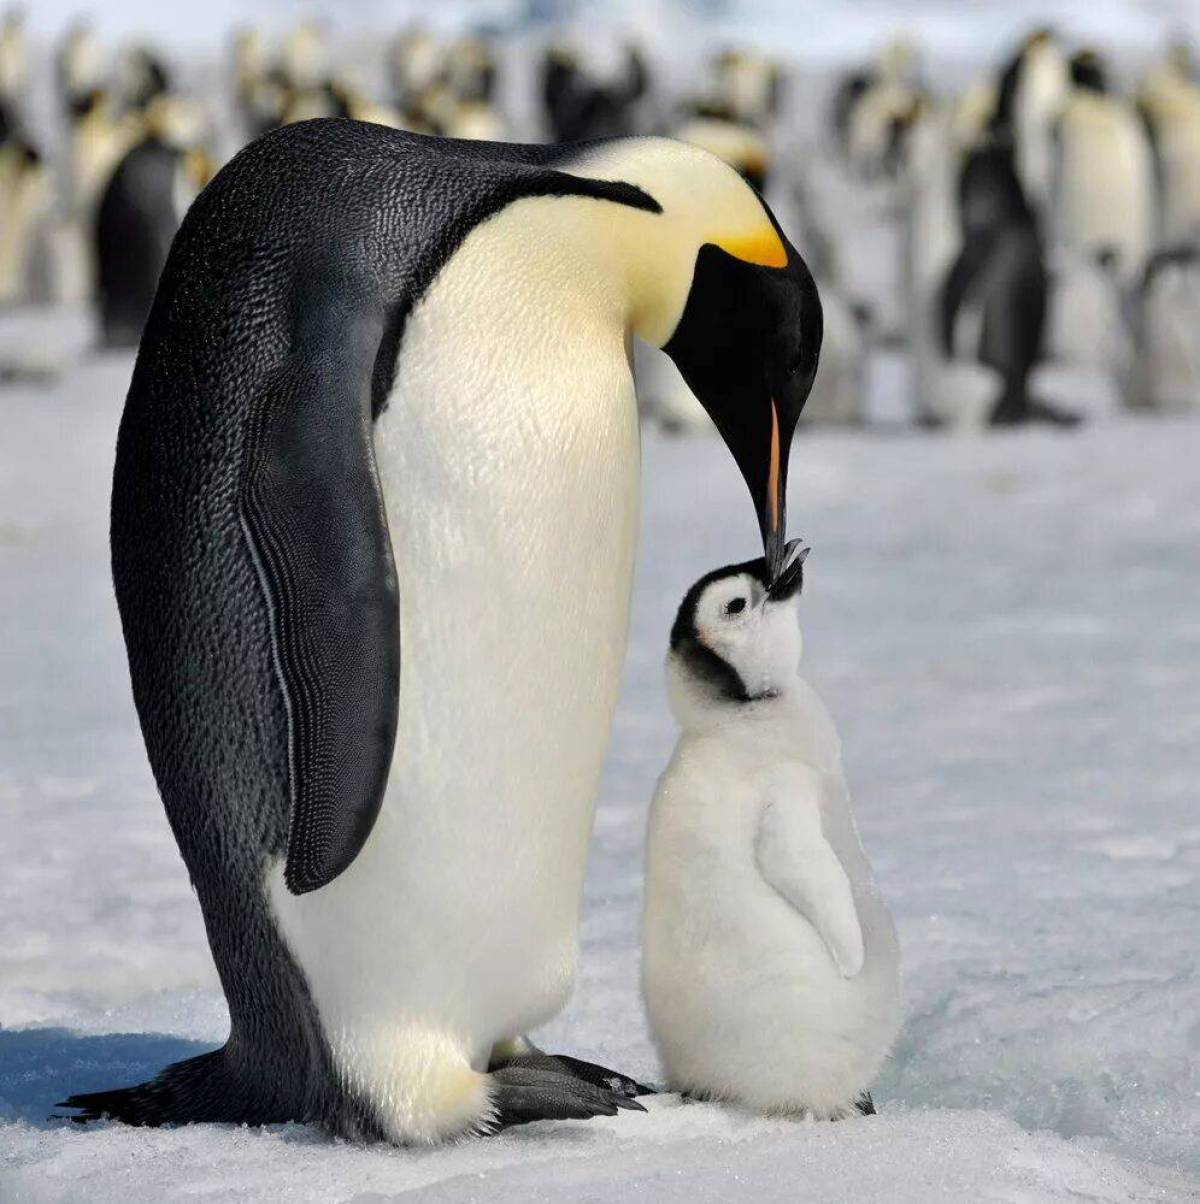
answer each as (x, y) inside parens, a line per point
(197, 1089)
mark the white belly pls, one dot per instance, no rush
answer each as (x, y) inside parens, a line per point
(509, 465)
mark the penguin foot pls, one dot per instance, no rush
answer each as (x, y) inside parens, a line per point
(1034, 411)
(865, 1105)
(524, 1093)
(588, 1072)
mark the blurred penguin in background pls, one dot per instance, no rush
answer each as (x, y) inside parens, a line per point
(139, 212)
(873, 114)
(747, 88)
(141, 77)
(943, 135)
(445, 88)
(417, 64)
(1032, 91)
(1170, 104)
(1165, 374)
(14, 59)
(874, 111)
(994, 299)
(581, 104)
(81, 66)
(471, 69)
(1104, 177)
(259, 87)
(1103, 221)
(26, 204)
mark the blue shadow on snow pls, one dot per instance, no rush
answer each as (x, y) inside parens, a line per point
(40, 1066)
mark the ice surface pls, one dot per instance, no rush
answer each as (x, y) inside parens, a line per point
(1007, 632)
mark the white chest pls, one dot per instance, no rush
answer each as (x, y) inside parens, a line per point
(508, 461)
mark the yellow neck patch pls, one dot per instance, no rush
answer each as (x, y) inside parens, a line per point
(764, 248)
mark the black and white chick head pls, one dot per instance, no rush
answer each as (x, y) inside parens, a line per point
(736, 639)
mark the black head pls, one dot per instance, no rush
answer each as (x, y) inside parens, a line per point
(748, 344)
(1088, 72)
(722, 637)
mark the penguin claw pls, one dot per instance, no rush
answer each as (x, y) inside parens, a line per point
(601, 1076)
(525, 1093)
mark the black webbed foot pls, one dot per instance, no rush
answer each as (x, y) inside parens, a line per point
(587, 1072)
(526, 1093)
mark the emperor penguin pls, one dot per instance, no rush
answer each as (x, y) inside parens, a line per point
(749, 87)
(1032, 90)
(26, 207)
(1170, 103)
(1165, 370)
(873, 112)
(14, 58)
(373, 522)
(1104, 191)
(581, 105)
(140, 209)
(949, 390)
(993, 300)
(770, 966)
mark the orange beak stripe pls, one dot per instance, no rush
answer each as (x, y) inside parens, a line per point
(773, 470)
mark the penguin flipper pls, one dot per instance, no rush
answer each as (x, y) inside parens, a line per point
(313, 515)
(796, 859)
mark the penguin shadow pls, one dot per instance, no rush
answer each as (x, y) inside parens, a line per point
(40, 1066)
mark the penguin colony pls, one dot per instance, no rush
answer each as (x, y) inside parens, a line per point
(1045, 214)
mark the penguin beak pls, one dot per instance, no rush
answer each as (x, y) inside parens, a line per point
(759, 434)
(772, 502)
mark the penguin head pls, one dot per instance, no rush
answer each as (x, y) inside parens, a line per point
(747, 344)
(736, 639)
(1088, 71)
(715, 283)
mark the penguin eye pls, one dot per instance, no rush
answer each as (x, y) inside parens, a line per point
(735, 607)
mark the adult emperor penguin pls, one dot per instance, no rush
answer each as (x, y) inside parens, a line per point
(992, 305)
(140, 210)
(373, 522)
(1104, 195)
(1032, 90)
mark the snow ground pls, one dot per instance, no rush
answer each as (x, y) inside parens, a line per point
(1007, 632)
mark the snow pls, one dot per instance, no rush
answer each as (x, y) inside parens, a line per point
(1006, 631)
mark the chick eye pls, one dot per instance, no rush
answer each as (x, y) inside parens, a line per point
(736, 606)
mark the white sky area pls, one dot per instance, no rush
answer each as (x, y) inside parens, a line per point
(807, 30)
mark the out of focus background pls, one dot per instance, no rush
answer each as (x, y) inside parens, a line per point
(997, 472)
(1001, 203)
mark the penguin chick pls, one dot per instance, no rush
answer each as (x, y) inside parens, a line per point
(770, 967)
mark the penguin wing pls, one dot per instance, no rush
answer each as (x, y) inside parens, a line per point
(313, 515)
(796, 860)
